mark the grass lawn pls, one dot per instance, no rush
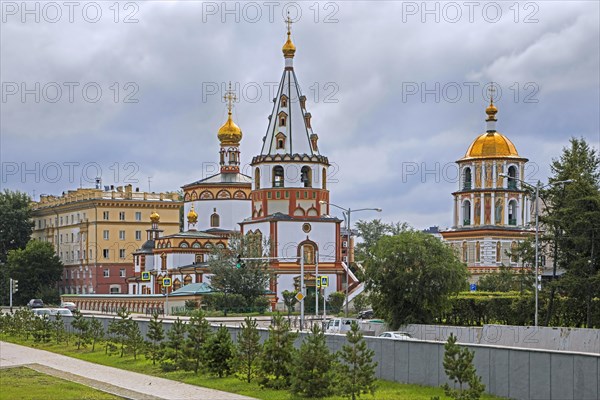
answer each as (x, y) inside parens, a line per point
(26, 384)
(386, 390)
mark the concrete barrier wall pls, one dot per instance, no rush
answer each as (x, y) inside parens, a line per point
(567, 339)
(516, 373)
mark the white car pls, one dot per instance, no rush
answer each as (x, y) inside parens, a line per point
(396, 335)
(51, 312)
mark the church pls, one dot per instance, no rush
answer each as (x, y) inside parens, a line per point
(285, 201)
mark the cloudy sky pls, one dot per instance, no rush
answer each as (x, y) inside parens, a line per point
(397, 90)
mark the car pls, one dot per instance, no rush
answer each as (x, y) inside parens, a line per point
(366, 314)
(35, 303)
(396, 335)
(51, 312)
(68, 305)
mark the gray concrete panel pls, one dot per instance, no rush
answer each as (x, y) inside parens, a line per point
(539, 376)
(561, 377)
(402, 362)
(499, 372)
(585, 373)
(387, 362)
(518, 382)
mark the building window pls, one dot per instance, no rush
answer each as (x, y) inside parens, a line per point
(138, 216)
(105, 235)
(215, 220)
(465, 252)
(257, 178)
(278, 176)
(283, 101)
(467, 213)
(122, 272)
(198, 258)
(511, 182)
(121, 215)
(138, 235)
(309, 252)
(115, 290)
(467, 179)
(105, 215)
(512, 212)
(306, 176)
(121, 253)
(121, 235)
(105, 253)
(163, 261)
(61, 221)
(106, 273)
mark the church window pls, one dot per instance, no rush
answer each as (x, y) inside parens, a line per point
(512, 212)
(324, 178)
(257, 178)
(283, 101)
(511, 181)
(309, 252)
(278, 176)
(163, 261)
(278, 195)
(215, 220)
(467, 179)
(306, 176)
(184, 245)
(280, 143)
(467, 213)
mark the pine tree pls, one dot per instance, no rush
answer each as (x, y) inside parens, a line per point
(458, 365)
(121, 328)
(278, 353)
(312, 373)
(199, 332)
(248, 350)
(356, 371)
(156, 334)
(218, 352)
(173, 354)
(58, 327)
(135, 340)
(96, 331)
(82, 327)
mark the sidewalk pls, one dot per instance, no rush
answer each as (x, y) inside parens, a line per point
(130, 385)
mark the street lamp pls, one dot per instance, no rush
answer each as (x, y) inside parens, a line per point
(537, 187)
(348, 212)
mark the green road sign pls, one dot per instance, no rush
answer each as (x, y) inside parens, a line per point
(145, 276)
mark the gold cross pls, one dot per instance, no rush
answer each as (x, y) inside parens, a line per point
(289, 23)
(229, 98)
(492, 90)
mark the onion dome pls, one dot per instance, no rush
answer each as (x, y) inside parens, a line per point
(154, 217)
(229, 133)
(192, 216)
(289, 49)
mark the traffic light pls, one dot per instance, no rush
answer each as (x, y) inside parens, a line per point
(240, 263)
(15, 286)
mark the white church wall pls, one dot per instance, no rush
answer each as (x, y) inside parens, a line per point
(230, 213)
(290, 235)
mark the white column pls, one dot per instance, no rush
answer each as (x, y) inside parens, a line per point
(505, 171)
(483, 166)
(494, 174)
(472, 209)
(455, 211)
(505, 209)
(520, 210)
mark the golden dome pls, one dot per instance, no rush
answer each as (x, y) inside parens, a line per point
(288, 48)
(154, 217)
(491, 111)
(192, 216)
(491, 145)
(230, 133)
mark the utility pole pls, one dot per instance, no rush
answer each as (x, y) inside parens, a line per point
(302, 287)
(317, 284)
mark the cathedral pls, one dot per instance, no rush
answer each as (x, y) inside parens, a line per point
(286, 202)
(492, 212)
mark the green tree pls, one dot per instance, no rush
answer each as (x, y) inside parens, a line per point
(458, 365)
(156, 334)
(251, 279)
(82, 328)
(573, 214)
(289, 300)
(249, 350)
(15, 231)
(219, 351)
(199, 332)
(173, 351)
(96, 331)
(356, 371)
(42, 329)
(121, 329)
(336, 301)
(135, 339)
(507, 279)
(360, 302)
(410, 277)
(312, 372)
(278, 352)
(58, 328)
(38, 269)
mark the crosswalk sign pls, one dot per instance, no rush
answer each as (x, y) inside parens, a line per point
(324, 281)
(145, 276)
(166, 282)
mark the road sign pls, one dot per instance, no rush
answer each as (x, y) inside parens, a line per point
(473, 287)
(145, 276)
(166, 282)
(318, 282)
(299, 296)
(324, 281)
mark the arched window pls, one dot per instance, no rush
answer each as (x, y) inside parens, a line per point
(306, 176)
(187, 280)
(467, 179)
(498, 252)
(512, 212)
(257, 178)
(309, 252)
(478, 252)
(467, 213)
(324, 178)
(215, 220)
(465, 252)
(512, 174)
(176, 284)
(278, 176)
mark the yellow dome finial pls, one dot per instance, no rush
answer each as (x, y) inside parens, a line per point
(288, 48)
(154, 217)
(491, 110)
(229, 134)
(192, 216)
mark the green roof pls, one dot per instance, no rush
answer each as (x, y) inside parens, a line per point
(192, 289)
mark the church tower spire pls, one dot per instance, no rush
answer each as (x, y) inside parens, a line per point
(289, 49)
(230, 136)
